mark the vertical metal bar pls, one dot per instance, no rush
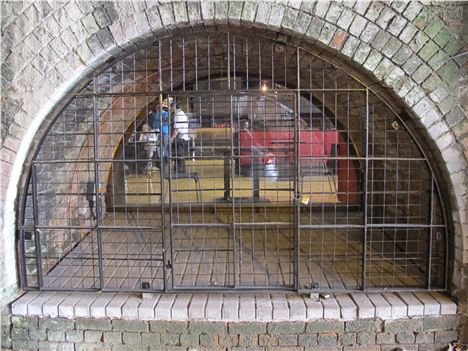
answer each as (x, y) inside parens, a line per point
(366, 181)
(235, 254)
(37, 234)
(297, 170)
(96, 184)
(171, 266)
(162, 168)
(429, 244)
(229, 62)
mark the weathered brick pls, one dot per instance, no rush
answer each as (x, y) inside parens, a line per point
(324, 326)
(235, 9)
(374, 10)
(440, 322)
(386, 16)
(181, 15)
(263, 12)
(361, 53)
(412, 64)
(321, 8)
(170, 339)
(56, 323)
(315, 27)
(421, 73)
(226, 340)
(363, 325)
(129, 326)
(358, 25)
(286, 328)
(248, 11)
(113, 337)
(289, 17)
(327, 339)
(93, 324)
(248, 340)
(347, 16)
(405, 337)
(347, 339)
(74, 335)
(25, 345)
(350, 46)
(208, 340)
(287, 340)
(364, 338)
(24, 322)
(397, 25)
(380, 40)
(155, 339)
(132, 338)
(413, 10)
(369, 33)
(326, 35)
(243, 328)
(92, 336)
(55, 335)
(307, 340)
(37, 334)
(385, 338)
(334, 12)
(267, 340)
(445, 336)
(429, 49)
(424, 338)
(455, 116)
(402, 55)
(19, 333)
(392, 46)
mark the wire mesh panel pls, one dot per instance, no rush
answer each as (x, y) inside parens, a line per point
(218, 161)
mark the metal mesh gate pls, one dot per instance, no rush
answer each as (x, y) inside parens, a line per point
(220, 162)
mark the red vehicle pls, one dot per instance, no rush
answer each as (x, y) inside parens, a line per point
(318, 149)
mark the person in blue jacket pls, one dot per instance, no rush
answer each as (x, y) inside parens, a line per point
(161, 126)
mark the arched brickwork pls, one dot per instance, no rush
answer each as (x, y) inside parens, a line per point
(48, 48)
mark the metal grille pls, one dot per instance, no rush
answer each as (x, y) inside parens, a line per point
(287, 173)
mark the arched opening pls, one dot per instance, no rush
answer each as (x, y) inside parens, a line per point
(287, 173)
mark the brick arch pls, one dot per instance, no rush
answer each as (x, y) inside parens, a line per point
(51, 48)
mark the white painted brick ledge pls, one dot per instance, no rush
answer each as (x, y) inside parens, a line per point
(233, 307)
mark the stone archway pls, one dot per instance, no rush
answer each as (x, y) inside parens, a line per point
(109, 30)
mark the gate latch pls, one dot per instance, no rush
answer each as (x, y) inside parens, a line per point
(168, 265)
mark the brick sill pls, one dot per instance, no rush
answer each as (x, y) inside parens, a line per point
(233, 307)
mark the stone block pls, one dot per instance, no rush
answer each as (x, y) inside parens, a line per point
(369, 33)
(235, 9)
(424, 338)
(440, 323)
(24, 322)
(327, 339)
(288, 17)
(408, 33)
(56, 323)
(193, 11)
(74, 335)
(350, 46)
(286, 328)
(398, 326)
(391, 47)
(315, 27)
(445, 336)
(155, 339)
(92, 336)
(373, 60)
(358, 25)
(25, 345)
(170, 339)
(93, 324)
(248, 340)
(428, 50)
(37, 334)
(385, 17)
(19, 333)
(180, 12)
(55, 335)
(249, 11)
(334, 12)
(347, 339)
(321, 9)
(364, 325)
(209, 340)
(243, 328)
(101, 17)
(55, 346)
(263, 12)
(364, 338)
(346, 18)
(113, 338)
(267, 340)
(324, 326)
(130, 326)
(287, 340)
(162, 327)
(326, 35)
(385, 338)
(307, 340)
(397, 25)
(131, 338)
(413, 10)
(227, 341)
(405, 337)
